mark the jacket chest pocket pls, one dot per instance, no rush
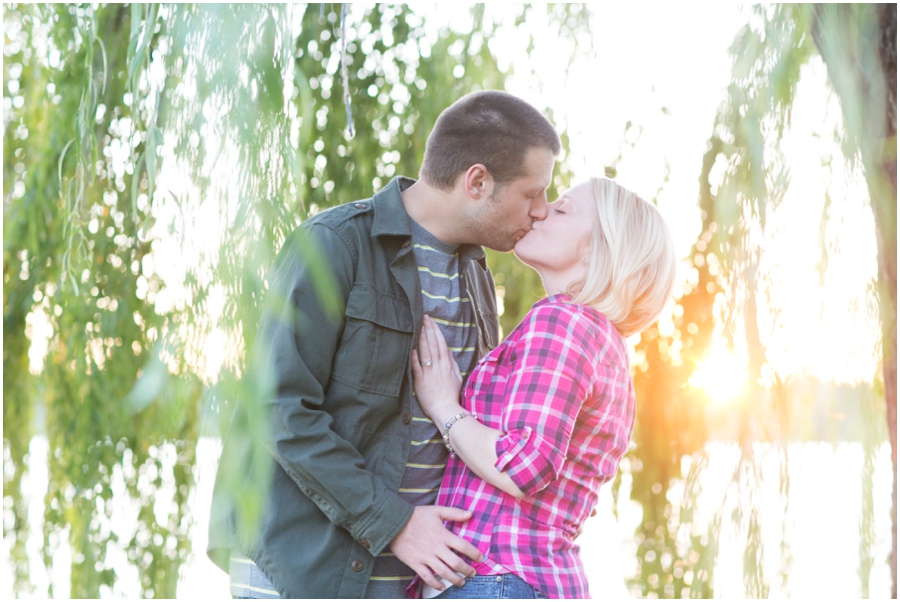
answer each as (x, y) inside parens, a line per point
(376, 343)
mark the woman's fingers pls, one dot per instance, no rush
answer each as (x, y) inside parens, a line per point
(425, 352)
(436, 340)
(433, 349)
(416, 366)
(428, 328)
(441, 342)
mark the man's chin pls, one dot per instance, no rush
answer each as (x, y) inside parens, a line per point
(512, 246)
(501, 246)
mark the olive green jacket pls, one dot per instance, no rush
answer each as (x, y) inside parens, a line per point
(339, 416)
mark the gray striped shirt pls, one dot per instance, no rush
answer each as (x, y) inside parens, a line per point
(444, 298)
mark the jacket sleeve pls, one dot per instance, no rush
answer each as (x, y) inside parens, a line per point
(300, 331)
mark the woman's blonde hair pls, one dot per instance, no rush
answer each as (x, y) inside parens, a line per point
(630, 259)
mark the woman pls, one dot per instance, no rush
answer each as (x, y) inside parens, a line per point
(547, 416)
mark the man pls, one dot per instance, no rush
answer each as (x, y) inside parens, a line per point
(357, 464)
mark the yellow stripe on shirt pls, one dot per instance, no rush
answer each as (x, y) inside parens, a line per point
(427, 441)
(456, 324)
(447, 299)
(439, 274)
(418, 490)
(461, 349)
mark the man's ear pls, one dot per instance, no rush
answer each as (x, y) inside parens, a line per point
(478, 182)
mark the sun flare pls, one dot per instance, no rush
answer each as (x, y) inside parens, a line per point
(722, 374)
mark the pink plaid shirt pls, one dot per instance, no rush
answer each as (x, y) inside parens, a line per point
(560, 390)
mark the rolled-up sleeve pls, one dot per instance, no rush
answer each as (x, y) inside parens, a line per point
(552, 373)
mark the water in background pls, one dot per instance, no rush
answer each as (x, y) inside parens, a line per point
(822, 528)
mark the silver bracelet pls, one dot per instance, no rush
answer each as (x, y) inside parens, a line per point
(448, 424)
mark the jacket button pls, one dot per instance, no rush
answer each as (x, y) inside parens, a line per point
(404, 244)
(360, 205)
(356, 565)
(406, 418)
(365, 543)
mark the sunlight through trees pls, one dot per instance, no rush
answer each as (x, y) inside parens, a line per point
(156, 156)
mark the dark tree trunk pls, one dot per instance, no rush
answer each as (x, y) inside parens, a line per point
(859, 46)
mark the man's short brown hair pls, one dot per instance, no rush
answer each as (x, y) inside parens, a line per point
(490, 127)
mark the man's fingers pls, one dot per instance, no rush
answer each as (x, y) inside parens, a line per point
(457, 515)
(445, 571)
(459, 544)
(449, 567)
(458, 565)
(430, 578)
(467, 549)
(427, 547)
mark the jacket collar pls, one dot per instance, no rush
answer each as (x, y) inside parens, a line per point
(391, 219)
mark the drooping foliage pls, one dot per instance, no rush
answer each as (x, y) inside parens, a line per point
(74, 250)
(155, 156)
(768, 54)
(727, 281)
(859, 46)
(675, 557)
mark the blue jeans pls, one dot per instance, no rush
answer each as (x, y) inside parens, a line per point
(498, 587)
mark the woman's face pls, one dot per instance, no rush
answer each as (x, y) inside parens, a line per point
(557, 244)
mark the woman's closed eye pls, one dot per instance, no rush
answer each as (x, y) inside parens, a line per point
(560, 205)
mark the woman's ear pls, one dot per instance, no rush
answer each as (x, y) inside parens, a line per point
(584, 248)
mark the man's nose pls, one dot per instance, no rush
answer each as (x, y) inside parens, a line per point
(539, 207)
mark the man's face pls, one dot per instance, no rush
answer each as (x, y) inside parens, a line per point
(507, 215)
